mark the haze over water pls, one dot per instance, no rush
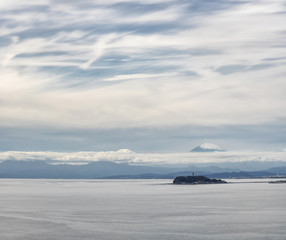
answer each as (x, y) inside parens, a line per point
(140, 209)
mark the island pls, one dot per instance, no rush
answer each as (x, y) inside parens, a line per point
(196, 180)
(282, 181)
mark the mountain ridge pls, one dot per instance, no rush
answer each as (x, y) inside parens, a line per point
(105, 169)
(208, 147)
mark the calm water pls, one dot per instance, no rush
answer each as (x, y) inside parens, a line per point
(140, 209)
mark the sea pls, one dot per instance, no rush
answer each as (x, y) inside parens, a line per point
(40, 209)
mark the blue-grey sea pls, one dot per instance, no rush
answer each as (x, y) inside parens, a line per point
(140, 209)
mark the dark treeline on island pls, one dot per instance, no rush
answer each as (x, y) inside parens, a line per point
(282, 181)
(111, 170)
(196, 180)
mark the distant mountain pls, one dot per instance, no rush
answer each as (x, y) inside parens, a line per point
(243, 166)
(241, 174)
(155, 176)
(124, 150)
(278, 170)
(212, 169)
(41, 169)
(111, 170)
(208, 147)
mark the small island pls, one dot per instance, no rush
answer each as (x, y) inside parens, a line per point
(196, 180)
(282, 181)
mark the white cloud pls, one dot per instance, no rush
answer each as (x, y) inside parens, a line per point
(16, 4)
(163, 93)
(99, 49)
(139, 76)
(127, 156)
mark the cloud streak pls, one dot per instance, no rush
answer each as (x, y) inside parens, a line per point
(129, 64)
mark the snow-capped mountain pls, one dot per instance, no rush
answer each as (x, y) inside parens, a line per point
(124, 150)
(208, 147)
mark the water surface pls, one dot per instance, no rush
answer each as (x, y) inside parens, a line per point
(140, 209)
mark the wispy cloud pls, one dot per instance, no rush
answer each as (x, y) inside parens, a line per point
(125, 63)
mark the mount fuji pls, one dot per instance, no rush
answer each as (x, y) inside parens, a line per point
(208, 147)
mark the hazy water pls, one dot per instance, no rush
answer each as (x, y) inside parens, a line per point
(140, 209)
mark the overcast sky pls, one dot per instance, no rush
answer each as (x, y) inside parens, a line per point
(150, 76)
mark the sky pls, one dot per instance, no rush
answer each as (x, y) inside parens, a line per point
(153, 76)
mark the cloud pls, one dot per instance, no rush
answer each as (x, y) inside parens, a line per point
(141, 64)
(121, 155)
(99, 49)
(130, 157)
(14, 4)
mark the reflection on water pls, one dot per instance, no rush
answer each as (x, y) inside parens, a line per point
(140, 209)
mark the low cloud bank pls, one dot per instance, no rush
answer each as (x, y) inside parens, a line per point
(130, 157)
